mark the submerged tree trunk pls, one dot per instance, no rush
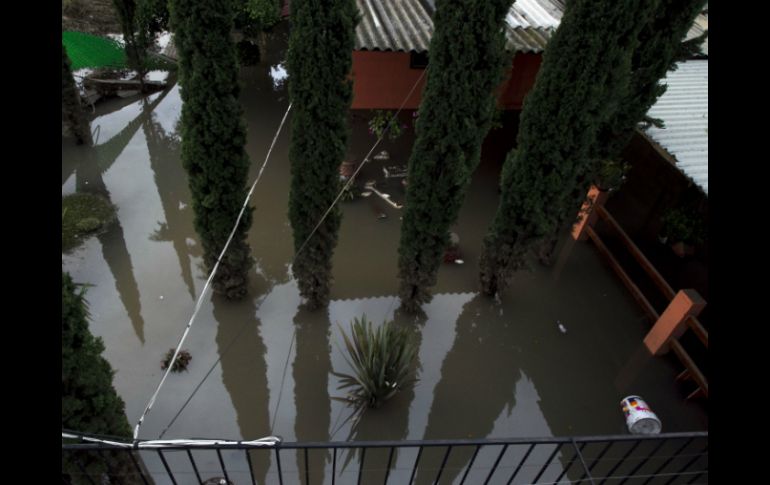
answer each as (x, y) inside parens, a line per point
(319, 63)
(467, 62)
(659, 47)
(586, 69)
(213, 137)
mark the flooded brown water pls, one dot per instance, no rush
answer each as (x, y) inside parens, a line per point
(486, 368)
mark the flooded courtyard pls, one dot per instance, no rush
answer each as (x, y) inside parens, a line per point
(263, 366)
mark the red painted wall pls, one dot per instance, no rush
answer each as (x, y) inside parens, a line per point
(382, 79)
(522, 78)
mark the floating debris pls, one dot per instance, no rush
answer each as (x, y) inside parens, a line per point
(383, 155)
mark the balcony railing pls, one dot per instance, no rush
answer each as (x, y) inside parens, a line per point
(672, 458)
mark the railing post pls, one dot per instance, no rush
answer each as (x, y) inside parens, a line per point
(587, 215)
(671, 323)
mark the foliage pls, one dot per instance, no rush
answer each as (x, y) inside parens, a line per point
(89, 224)
(682, 225)
(348, 191)
(181, 362)
(262, 14)
(383, 120)
(611, 173)
(382, 360)
(213, 136)
(135, 43)
(467, 62)
(140, 20)
(659, 46)
(319, 63)
(90, 403)
(586, 67)
(152, 17)
(72, 110)
(82, 214)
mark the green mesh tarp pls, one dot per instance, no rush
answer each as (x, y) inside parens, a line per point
(86, 50)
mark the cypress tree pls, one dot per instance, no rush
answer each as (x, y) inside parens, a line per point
(467, 63)
(319, 63)
(213, 135)
(72, 110)
(585, 69)
(657, 51)
(136, 42)
(89, 402)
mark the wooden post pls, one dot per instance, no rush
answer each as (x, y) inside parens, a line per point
(587, 216)
(671, 323)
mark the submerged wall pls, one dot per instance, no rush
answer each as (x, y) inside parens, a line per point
(382, 80)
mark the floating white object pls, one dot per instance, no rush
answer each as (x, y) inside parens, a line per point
(639, 417)
(459, 261)
(383, 155)
(161, 297)
(562, 327)
(182, 205)
(365, 194)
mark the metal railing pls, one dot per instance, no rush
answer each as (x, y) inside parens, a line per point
(673, 458)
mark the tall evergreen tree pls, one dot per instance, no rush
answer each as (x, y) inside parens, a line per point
(585, 70)
(136, 43)
(72, 110)
(467, 63)
(89, 402)
(213, 136)
(660, 46)
(319, 63)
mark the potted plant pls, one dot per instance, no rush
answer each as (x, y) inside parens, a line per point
(682, 230)
(610, 174)
(384, 121)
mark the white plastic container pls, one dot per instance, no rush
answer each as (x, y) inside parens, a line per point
(639, 417)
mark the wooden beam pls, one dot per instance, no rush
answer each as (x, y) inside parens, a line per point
(645, 263)
(693, 369)
(587, 215)
(635, 291)
(672, 322)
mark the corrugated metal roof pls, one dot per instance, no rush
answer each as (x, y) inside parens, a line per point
(397, 25)
(531, 23)
(406, 25)
(684, 109)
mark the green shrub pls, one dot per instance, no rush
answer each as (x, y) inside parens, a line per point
(89, 224)
(181, 362)
(82, 215)
(380, 121)
(382, 360)
(682, 225)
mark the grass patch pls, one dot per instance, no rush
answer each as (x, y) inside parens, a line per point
(83, 215)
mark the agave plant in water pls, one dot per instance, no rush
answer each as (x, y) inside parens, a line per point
(382, 360)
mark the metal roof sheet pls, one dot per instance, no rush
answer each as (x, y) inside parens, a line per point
(684, 110)
(407, 25)
(397, 25)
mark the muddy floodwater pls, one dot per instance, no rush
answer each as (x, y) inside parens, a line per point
(553, 357)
